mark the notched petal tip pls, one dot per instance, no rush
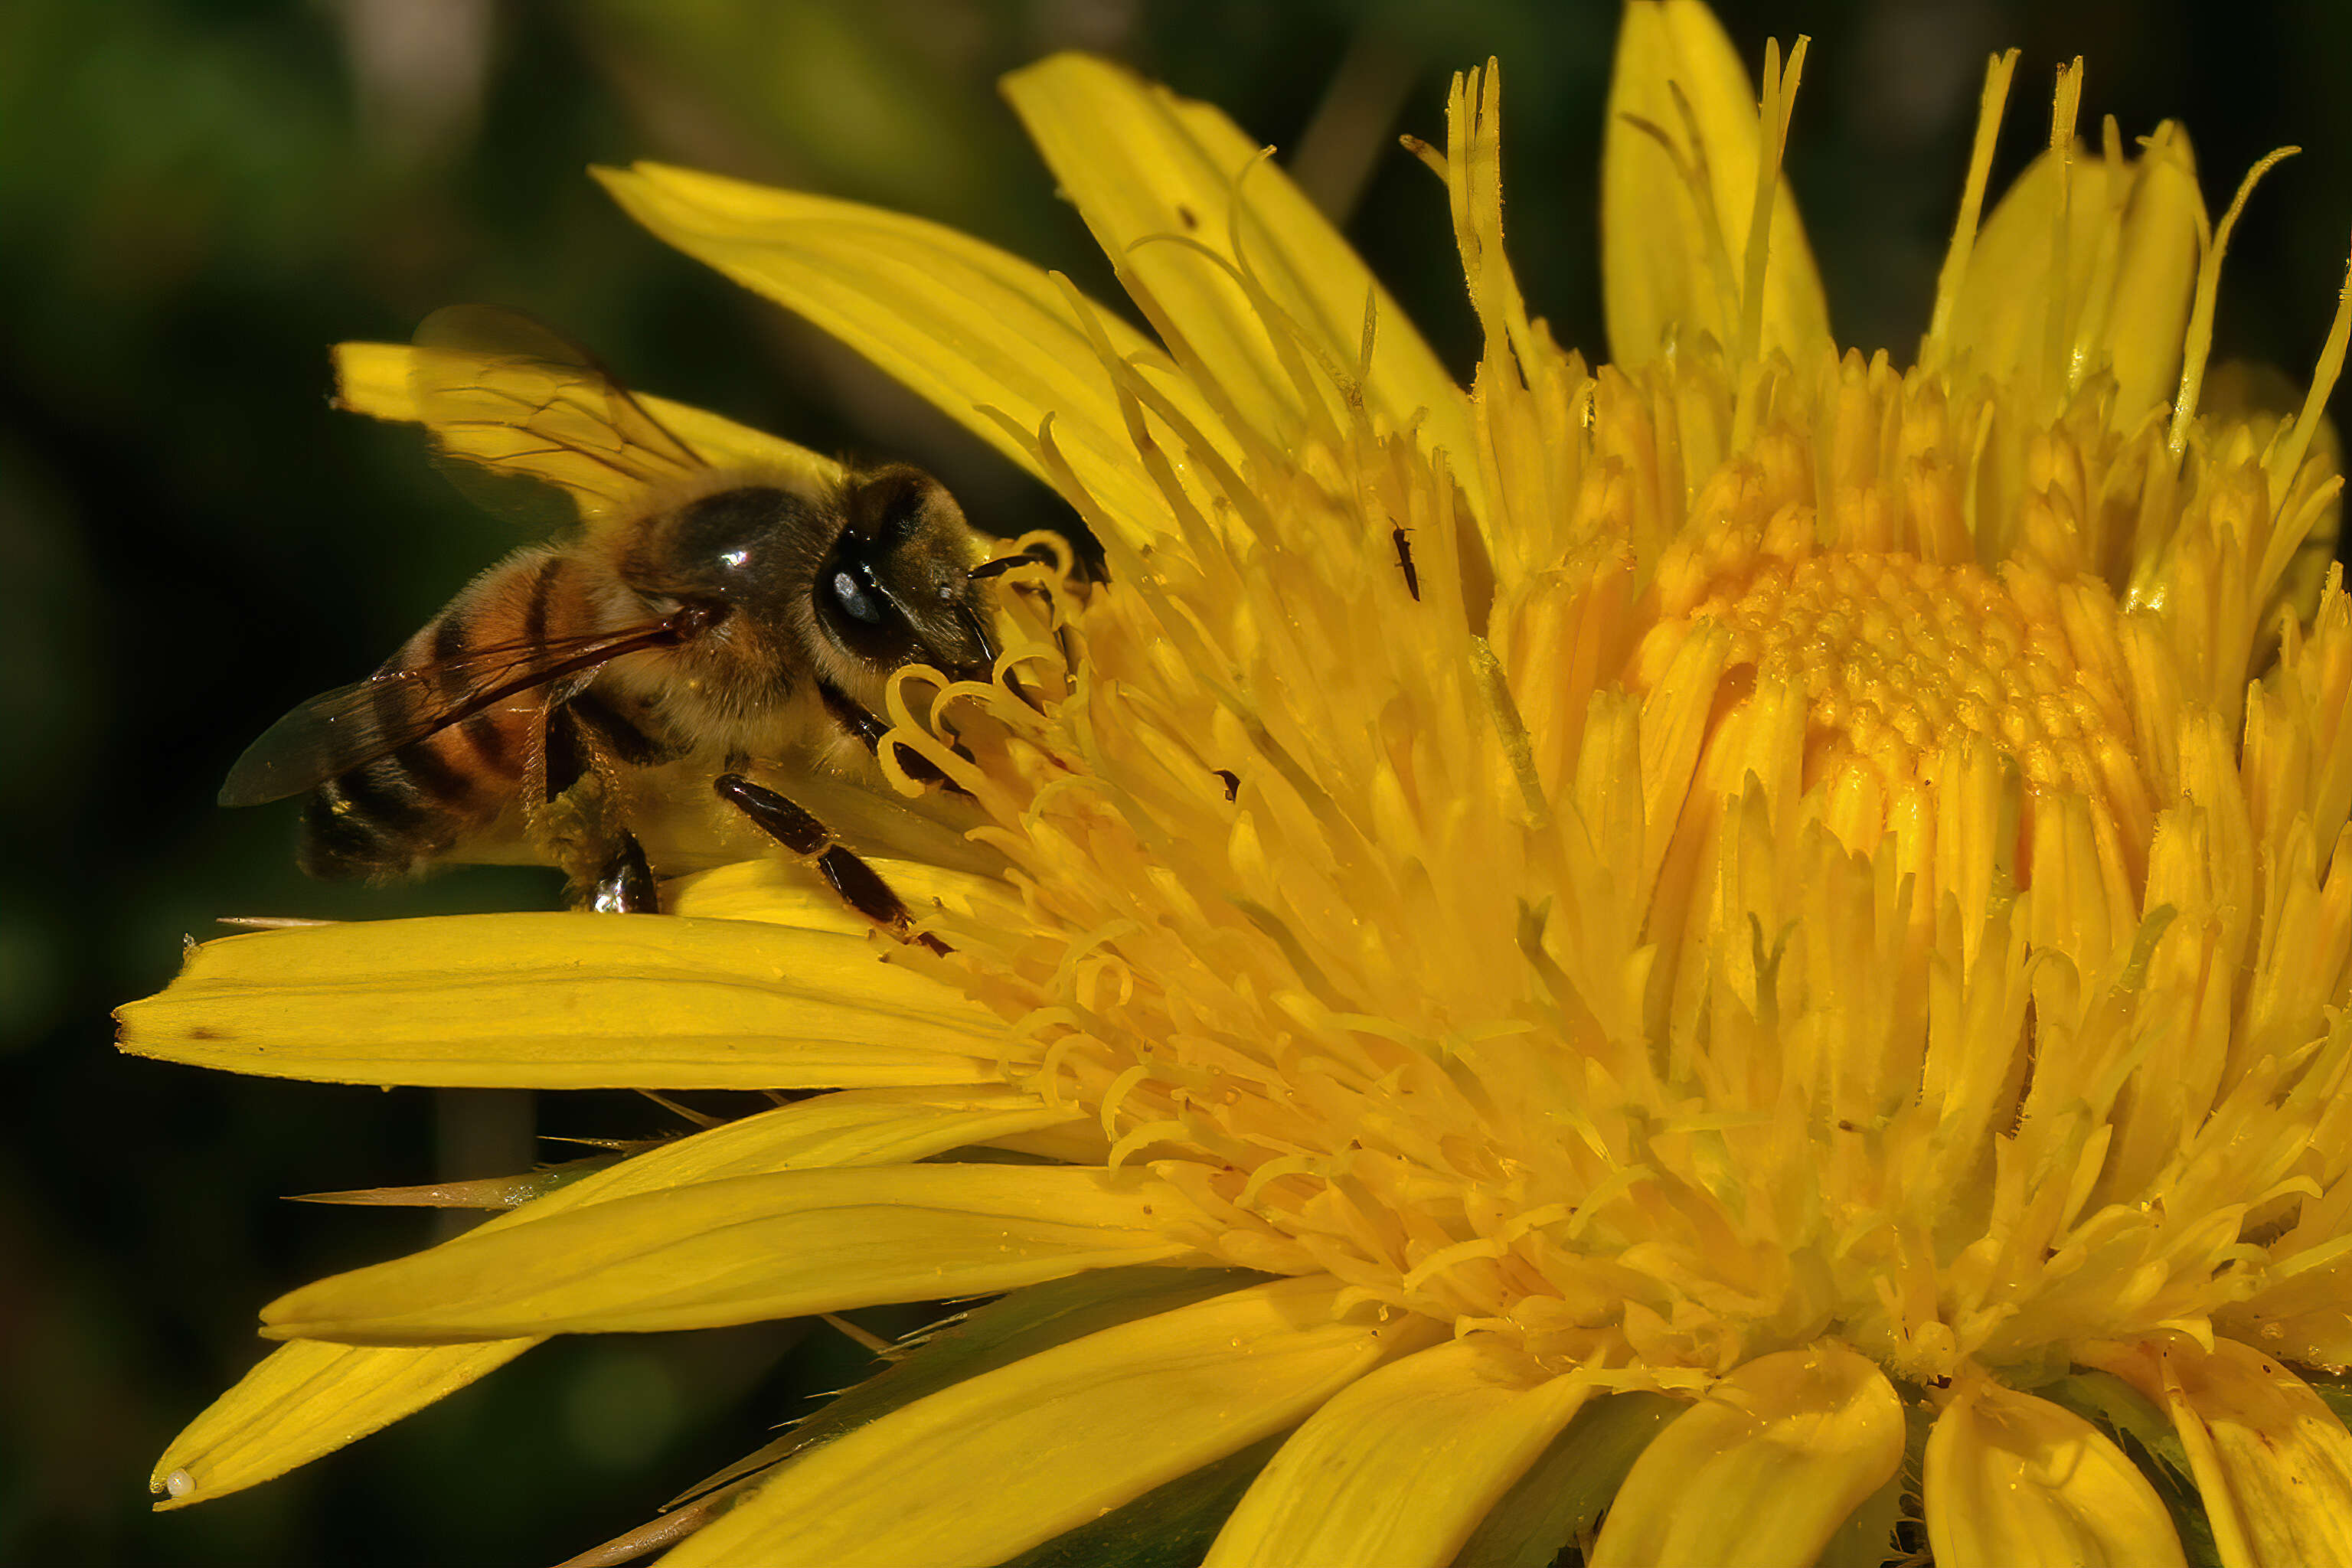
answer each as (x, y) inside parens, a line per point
(2012, 1478)
(307, 1399)
(2272, 1463)
(1783, 1449)
(1401, 1467)
(374, 379)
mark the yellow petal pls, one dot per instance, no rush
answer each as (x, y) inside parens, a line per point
(1144, 165)
(964, 324)
(2013, 1481)
(1570, 1484)
(2130, 271)
(379, 380)
(1781, 1451)
(310, 1397)
(2304, 1311)
(2155, 278)
(1400, 1467)
(1673, 248)
(787, 892)
(2272, 1463)
(563, 1001)
(742, 1249)
(1003, 1461)
(2000, 316)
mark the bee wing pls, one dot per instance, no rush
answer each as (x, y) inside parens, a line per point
(514, 406)
(353, 725)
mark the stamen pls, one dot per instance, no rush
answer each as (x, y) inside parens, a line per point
(2198, 345)
(1779, 99)
(1430, 156)
(1474, 182)
(1698, 177)
(2065, 108)
(2288, 458)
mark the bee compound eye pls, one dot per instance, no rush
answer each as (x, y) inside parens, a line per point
(853, 599)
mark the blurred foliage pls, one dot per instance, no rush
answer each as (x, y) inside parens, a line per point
(198, 196)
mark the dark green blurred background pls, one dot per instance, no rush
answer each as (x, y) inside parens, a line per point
(196, 196)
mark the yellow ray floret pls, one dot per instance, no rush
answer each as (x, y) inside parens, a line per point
(1783, 1449)
(1400, 1467)
(989, 338)
(1257, 297)
(1687, 173)
(2272, 1463)
(742, 1248)
(384, 381)
(312, 1397)
(1095, 1422)
(565, 1000)
(2010, 1479)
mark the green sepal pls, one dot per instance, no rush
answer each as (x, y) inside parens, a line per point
(1171, 1526)
(1866, 1539)
(2333, 1389)
(1564, 1491)
(2146, 1434)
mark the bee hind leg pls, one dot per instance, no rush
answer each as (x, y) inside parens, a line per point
(624, 886)
(578, 824)
(859, 885)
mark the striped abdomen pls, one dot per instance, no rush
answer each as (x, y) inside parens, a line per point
(413, 806)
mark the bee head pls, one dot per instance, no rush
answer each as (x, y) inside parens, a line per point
(862, 581)
(897, 586)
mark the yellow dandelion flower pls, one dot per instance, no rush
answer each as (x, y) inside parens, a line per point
(1744, 948)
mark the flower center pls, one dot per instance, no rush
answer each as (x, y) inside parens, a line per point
(1898, 657)
(1902, 664)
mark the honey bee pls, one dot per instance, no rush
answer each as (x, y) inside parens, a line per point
(710, 612)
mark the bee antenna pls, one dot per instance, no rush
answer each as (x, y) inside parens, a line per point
(1001, 565)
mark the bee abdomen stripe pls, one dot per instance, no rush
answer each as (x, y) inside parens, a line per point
(448, 645)
(379, 797)
(419, 764)
(489, 738)
(352, 827)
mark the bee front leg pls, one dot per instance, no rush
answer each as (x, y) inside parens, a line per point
(859, 885)
(851, 715)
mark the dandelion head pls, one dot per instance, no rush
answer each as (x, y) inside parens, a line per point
(1734, 953)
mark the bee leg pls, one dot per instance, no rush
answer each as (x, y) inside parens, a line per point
(847, 712)
(859, 885)
(606, 866)
(626, 884)
(563, 752)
